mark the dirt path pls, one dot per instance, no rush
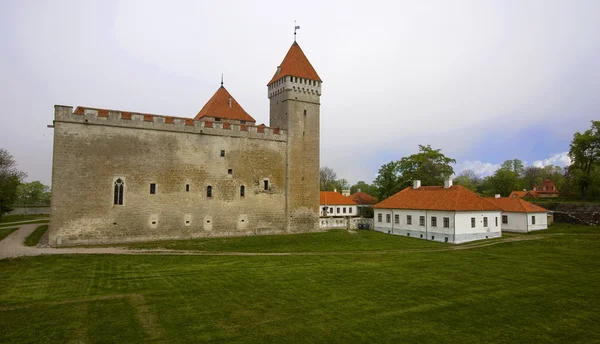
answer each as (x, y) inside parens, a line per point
(12, 247)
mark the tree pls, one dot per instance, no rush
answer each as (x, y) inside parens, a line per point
(584, 153)
(343, 184)
(429, 166)
(514, 165)
(468, 179)
(327, 178)
(388, 180)
(369, 189)
(10, 178)
(33, 193)
(531, 176)
(505, 181)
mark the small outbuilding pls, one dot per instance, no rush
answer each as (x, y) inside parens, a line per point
(519, 215)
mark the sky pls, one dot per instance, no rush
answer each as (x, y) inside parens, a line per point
(484, 81)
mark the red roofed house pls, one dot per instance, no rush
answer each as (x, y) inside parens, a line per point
(334, 208)
(363, 201)
(519, 215)
(449, 213)
(546, 190)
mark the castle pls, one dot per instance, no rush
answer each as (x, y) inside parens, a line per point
(122, 176)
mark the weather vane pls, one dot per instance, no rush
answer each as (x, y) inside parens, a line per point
(296, 27)
(221, 79)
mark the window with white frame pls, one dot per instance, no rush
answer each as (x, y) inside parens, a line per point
(378, 217)
(433, 221)
(421, 220)
(504, 219)
(388, 218)
(472, 222)
(496, 221)
(397, 219)
(533, 219)
(409, 219)
(446, 222)
(485, 221)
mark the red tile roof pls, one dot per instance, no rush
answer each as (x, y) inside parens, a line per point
(334, 198)
(220, 106)
(454, 198)
(363, 198)
(295, 63)
(522, 194)
(516, 205)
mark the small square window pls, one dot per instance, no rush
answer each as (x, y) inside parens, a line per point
(243, 122)
(230, 171)
(222, 152)
(152, 188)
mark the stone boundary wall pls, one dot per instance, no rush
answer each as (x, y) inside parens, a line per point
(31, 210)
(90, 116)
(576, 213)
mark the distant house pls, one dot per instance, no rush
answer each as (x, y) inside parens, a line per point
(546, 190)
(363, 201)
(519, 215)
(449, 213)
(335, 208)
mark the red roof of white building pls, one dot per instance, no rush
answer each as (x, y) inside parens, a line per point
(454, 198)
(516, 205)
(334, 198)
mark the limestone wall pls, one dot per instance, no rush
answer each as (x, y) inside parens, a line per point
(92, 150)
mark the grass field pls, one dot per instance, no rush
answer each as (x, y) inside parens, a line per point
(526, 291)
(4, 232)
(35, 236)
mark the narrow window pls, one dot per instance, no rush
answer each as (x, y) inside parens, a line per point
(209, 191)
(388, 218)
(118, 192)
(378, 217)
(485, 222)
(230, 171)
(446, 222)
(187, 187)
(266, 184)
(331, 210)
(344, 210)
(397, 219)
(152, 188)
(222, 152)
(409, 219)
(350, 210)
(338, 210)
(242, 191)
(421, 220)
(472, 222)
(433, 221)
(504, 219)
(304, 112)
(496, 221)
(533, 220)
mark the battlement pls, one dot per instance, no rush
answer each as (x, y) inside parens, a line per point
(291, 83)
(125, 119)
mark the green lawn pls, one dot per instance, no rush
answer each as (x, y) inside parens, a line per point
(35, 236)
(16, 218)
(4, 232)
(519, 292)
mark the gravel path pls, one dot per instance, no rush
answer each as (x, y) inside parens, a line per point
(12, 246)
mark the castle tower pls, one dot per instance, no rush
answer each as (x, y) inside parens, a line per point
(294, 94)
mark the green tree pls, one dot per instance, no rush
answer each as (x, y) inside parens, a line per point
(584, 153)
(531, 176)
(10, 178)
(388, 180)
(33, 193)
(429, 166)
(468, 179)
(506, 179)
(369, 189)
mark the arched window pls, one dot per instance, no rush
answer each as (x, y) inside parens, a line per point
(209, 191)
(118, 191)
(242, 191)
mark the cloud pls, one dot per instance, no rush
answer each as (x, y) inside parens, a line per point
(481, 169)
(560, 159)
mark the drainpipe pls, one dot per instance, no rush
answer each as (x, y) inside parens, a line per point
(426, 224)
(393, 219)
(454, 228)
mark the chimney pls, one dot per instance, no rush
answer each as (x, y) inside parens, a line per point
(497, 196)
(416, 184)
(447, 183)
(278, 70)
(334, 190)
(358, 189)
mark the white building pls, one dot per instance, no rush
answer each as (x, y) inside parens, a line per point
(335, 208)
(446, 213)
(519, 215)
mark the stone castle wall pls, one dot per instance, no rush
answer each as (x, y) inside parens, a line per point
(93, 149)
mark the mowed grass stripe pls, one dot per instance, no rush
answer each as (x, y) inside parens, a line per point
(35, 236)
(527, 291)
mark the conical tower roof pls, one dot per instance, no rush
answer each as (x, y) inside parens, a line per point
(296, 64)
(223, 105)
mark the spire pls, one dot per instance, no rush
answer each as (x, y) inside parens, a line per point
(221, 79)
(296, 64)
(296, 27)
